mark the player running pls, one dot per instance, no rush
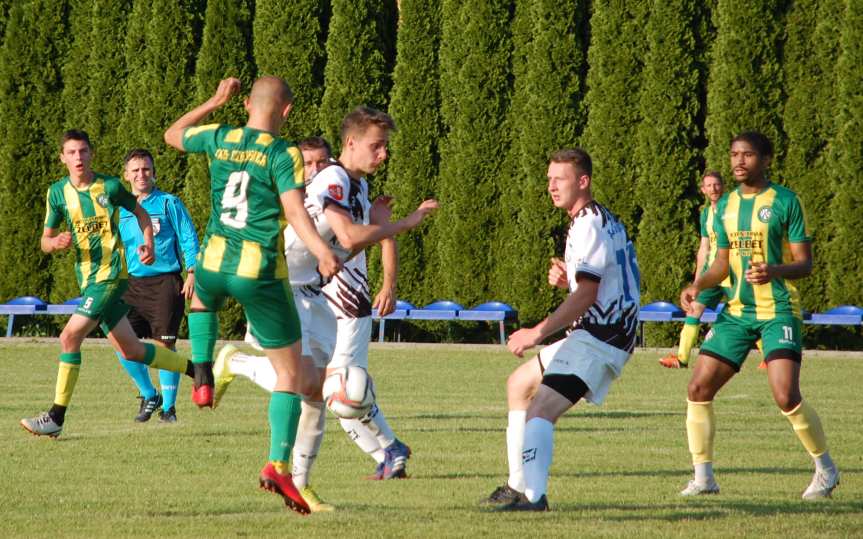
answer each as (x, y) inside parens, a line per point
(763, 244)
(601, 311)
(337, 199)
(90, 204)
(256, 182)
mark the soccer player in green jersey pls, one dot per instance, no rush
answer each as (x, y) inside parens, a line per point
(763, 244)
(90, 203)
(257, 186)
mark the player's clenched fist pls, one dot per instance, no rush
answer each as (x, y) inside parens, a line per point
(146, 255)
(227, 89)
(557, 273)
(687, 297)
(329, 264)
(381, 211)
(62, 241)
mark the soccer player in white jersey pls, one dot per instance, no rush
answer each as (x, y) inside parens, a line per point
(337, 200)
(601, 312)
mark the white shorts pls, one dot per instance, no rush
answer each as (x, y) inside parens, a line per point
(352, 343)
(583, 355)
(318, 326)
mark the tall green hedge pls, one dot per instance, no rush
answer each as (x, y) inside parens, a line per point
(745, 87)
(76, 82)
(667, 150)
(31, 121)
(617, 45)
(414, 146)
(360, 58)
(160, 86)
(289, 42)
(810, 53)
(845, 252)
(475, 95)
(548, 114)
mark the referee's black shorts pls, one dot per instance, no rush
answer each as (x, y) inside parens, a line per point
(157, 306)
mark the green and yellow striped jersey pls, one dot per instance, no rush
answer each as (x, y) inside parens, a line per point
(92, 215)
(758, 228)
(249, 169)
(708, 214)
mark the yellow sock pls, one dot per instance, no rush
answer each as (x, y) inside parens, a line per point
(700, 429)
(67, 377)
(282, 467)
(807, 427)
(688, 336)
(760, 346)
(167, 360)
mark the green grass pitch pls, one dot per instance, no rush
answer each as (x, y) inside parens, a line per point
(616, 472)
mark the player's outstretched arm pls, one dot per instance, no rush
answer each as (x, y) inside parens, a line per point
(227, 89)
(354, 237)
(572, 308)
(53, 240)
(146, 253)
(298, 218)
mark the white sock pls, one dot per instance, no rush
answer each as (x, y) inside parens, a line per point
(824, 462)
(310, 434)
(360, 434)
(258, 369)
(538, 445)
(703, 472)
(514, 445)
(377, 424)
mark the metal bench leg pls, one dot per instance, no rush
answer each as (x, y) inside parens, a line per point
(9, 325)
(381, 330)
(502, 333)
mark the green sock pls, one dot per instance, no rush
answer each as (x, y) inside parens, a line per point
(284, 416)
(203, 330)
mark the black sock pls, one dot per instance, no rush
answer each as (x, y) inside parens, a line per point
(203, 374)
(58, 414)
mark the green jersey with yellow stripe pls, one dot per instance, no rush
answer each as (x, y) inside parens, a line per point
(249, 169)
(92, 214)
(708, 214)
(758, 227)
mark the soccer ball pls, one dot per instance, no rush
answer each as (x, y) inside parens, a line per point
(349, 392)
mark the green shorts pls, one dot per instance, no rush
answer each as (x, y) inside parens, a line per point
(710, 297)
(732, 337)
(104, 302)
(268, 304)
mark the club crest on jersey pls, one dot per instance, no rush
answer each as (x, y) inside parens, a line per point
(336, 191)
(157, 225)
(764, 214)
(102, 200)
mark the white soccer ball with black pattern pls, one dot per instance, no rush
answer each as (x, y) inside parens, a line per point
(349, 392)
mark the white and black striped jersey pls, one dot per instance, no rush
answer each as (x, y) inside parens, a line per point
(598, 248)
(330, 186)
(348, 292)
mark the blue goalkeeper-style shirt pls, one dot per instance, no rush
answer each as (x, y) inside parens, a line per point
(174, 237)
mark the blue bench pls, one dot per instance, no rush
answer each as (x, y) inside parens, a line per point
(31, 306)
(492, 311)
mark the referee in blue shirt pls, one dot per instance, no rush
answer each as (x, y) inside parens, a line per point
(157, 292)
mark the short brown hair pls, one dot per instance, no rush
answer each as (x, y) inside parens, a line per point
(140, 153)
(363, 117)
(316, 143)
(712, 174)
(578, 158)
(75, 134)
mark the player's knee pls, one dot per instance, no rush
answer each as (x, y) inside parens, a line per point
(70, 340)
(520, 387)
(787, 400)
(698, 391)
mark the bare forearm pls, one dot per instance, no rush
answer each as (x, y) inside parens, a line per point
(717, 273)
(572, 308)
(389, 262)
(794, 270)
(47, 245)
(174, 134)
